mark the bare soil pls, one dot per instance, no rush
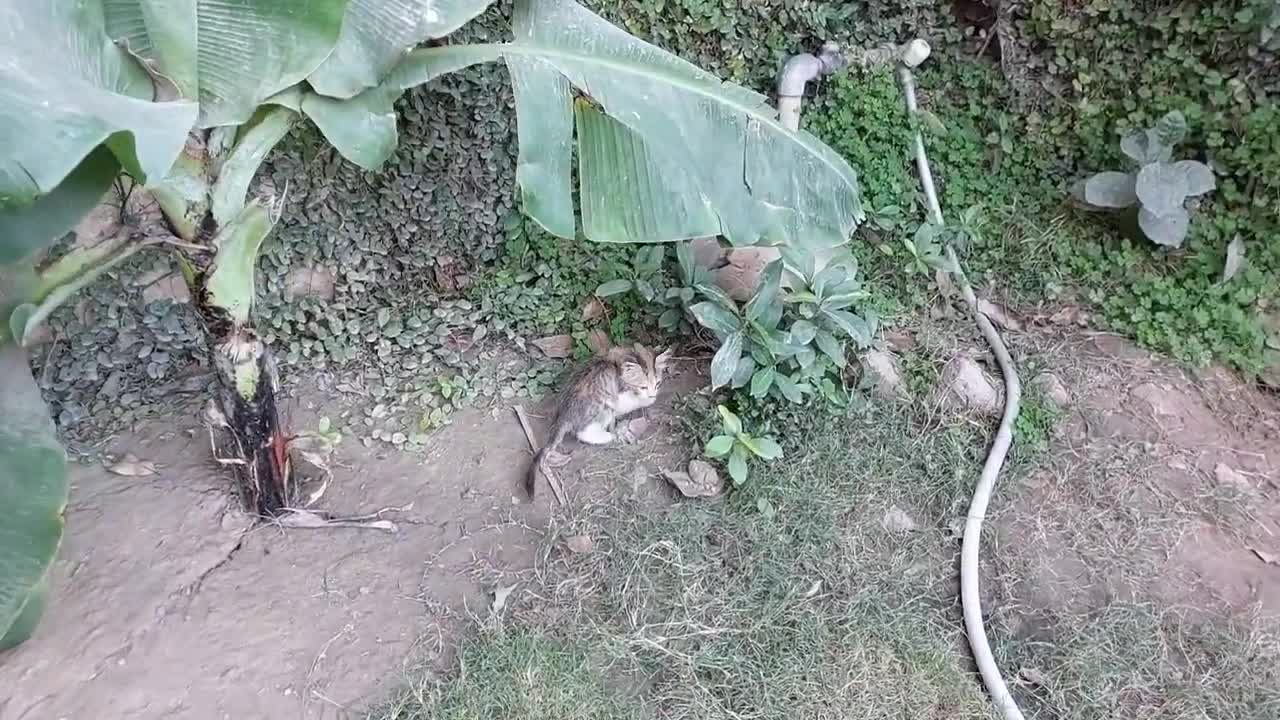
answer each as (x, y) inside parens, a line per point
(168, 605)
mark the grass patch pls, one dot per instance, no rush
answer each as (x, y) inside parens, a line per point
(801, 596)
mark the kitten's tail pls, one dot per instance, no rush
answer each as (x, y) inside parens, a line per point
(531, 479)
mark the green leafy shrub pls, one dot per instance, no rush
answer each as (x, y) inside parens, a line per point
(739, 446)
(1159, 187)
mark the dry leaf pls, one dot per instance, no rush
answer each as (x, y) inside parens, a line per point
(999, 315)
(556, 346)
(1235, 258)
(580, 544)
(500, 595)
(593, 309)
(131, 466)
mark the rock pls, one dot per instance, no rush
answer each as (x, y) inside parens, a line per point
(740, 277)
(310, 281)
(1228, 476)
(701, 480)
(1053, 389)
(580, 544)
(896, 520)
(966, 385)
(556, 346)
(900, 341)
(884, 367)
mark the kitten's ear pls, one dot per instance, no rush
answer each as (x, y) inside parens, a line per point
(661, 362)
(633, 374)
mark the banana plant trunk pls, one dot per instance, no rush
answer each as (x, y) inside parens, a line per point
(245, 422)
(222, 233)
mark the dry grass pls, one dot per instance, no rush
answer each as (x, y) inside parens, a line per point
(791, 598)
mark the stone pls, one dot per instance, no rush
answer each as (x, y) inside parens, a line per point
(1054, 389)
(883, 366)
(967, 386)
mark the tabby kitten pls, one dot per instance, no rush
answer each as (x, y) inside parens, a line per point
(620, 381)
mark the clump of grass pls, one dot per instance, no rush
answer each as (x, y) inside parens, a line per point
(514, 673)
(1142, 661)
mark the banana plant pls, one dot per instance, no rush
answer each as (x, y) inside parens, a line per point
(186, 99)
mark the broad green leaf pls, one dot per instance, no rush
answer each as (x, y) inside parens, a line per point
(856, 328)
(745, 370)
(720, 297)
(830, 346)
(377, 33)
(65, 89)
(685, 259)
(715, 318)
(766, 296)
(738, 465)
(27, 228)
(231, 283)
(1144, 146)
(614, 169)
(732, 425)
(799, 261)
(718, 446)
(1111, 190)
(674, 126)
(362, 129)
(613, 287)
(761, 382)
(763, 448)
(256, 140)
(803, 332)
(1168, 230)
(830, 277)
(789, 388)
(725, 362)
(245, 51)
(33, 496)
(1171, 129)
(1163, 187)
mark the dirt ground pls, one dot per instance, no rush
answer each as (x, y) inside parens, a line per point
(167, 606)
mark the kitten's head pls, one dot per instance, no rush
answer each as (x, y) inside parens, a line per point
(642, 371)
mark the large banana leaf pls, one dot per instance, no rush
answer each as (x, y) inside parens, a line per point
(683, 155)
(376, 33)
(65, 89)
(33, 494)
(230, 54)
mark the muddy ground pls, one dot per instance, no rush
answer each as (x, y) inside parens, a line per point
(167, 605)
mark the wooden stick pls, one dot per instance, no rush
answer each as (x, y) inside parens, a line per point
(552, 480)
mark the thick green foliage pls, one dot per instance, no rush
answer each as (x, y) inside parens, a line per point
(1015, 149)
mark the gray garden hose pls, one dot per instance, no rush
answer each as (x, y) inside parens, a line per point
(970, 598)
